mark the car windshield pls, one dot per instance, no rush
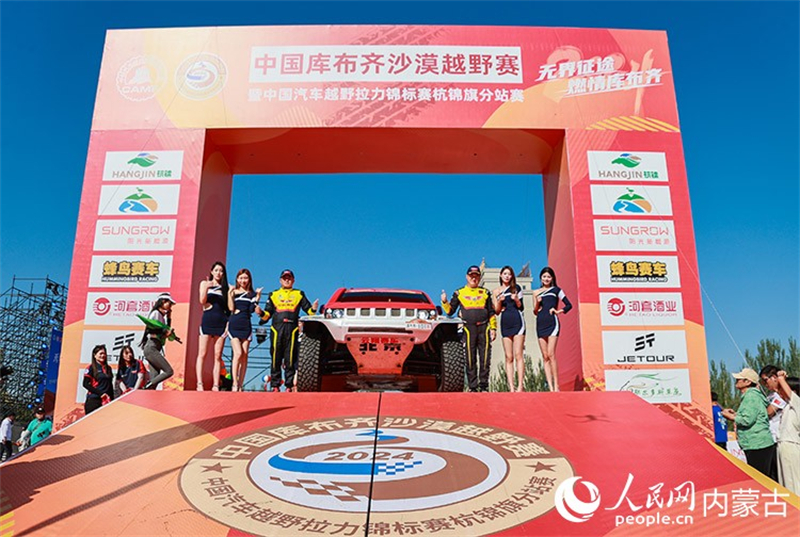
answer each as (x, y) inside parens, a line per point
(383, 296)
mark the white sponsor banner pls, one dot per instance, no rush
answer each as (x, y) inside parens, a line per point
(645, 347)
(135, 270)
(623, 200)
(134, 235)
(128, 200)
(627, 166)
(386, 63)
(638, 271)
(641, 309)
(634, 235)
(114, 340)
(120, 309)
(652, 385)
(143, 166)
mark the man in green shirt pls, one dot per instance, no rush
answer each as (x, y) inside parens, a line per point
(40, 427)
(752, 422)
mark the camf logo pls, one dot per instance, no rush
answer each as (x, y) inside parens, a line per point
(646, 340)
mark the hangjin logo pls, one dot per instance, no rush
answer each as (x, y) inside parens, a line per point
(629, 160)
(139, 203)
(632, 203)
(570, 507)
(145, 160)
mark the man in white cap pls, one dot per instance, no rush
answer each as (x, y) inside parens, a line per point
(752, 422)
(154, 339)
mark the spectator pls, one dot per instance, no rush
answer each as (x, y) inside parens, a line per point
(40, 426)
(154, 339)
(6, 430)
(789, 439)
(130, 371)
(720, 423)
(775, 406)
(752, 423)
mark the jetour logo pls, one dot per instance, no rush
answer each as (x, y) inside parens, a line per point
(140, 202)
(632, 203)
(570, 507)
(405, 472)
(145, 160)
(629, 160)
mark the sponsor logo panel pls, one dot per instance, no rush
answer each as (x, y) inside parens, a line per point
(110, 309)
(627, 166)
(621, 200)
(114, 340)
(641, 309)
(645, 347)
(128, 200)
(201, 76)
(634, 235)
(131, 271)
(126, 235)
(141, 77)
(637, 271)
(652, 385)
(143, 166)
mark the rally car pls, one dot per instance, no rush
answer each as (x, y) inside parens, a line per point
(380, 339)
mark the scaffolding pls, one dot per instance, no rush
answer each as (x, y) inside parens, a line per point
(27, 320)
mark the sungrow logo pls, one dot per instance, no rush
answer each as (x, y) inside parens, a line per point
(570, 507)
(629, 160)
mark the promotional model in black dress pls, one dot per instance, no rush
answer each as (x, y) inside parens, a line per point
(213, 326)
(548, 327)
(243, 302)
(508, 304)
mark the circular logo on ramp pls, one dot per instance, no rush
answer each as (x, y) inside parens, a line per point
(412, 475)
(201, 76)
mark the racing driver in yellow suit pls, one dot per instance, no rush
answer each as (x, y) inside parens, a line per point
(283, 307)
(480, 326)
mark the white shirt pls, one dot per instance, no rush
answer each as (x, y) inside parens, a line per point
(5, 429)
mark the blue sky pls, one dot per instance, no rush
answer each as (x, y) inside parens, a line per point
(735, 66)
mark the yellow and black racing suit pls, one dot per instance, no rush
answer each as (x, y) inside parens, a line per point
(477, 312)
(284, 306)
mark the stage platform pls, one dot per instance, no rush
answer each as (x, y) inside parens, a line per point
(294, 464)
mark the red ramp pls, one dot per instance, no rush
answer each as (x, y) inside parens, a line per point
(189, 463)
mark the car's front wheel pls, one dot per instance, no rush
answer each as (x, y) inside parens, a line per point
(454, 360)
(308, 363)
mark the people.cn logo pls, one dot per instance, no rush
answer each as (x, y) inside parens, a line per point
(101, 306)
(616, 307)
(145, 160)
(629, 160)
(570, 507)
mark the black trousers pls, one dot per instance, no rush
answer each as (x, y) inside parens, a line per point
(91, 404)
(479, 356)
(762, 460)
(8, 449)
(283, 347)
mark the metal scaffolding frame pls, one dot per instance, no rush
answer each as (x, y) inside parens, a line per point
(27, 320)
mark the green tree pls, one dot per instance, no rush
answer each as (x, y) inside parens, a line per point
(768, 352)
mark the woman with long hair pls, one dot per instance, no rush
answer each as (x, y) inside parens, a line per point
(130, 371)
(548, 327)
(242, 301)
(214, 299)
(154, 339)
(98, 379)
(508, 304)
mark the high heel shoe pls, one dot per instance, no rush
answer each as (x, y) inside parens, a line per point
(199, 386)
(235, 388)
(215, 388)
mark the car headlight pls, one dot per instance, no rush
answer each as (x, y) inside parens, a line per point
(337, 313)
(422, 314)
